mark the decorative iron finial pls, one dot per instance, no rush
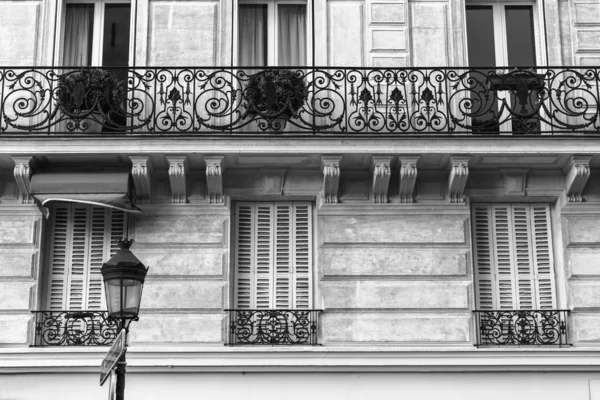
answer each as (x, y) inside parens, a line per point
(125, 244)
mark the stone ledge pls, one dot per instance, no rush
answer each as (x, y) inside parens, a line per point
(306, 359)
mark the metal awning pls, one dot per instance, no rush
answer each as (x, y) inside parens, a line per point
(105, 189)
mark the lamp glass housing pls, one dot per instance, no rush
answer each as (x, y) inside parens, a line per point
(123, 297)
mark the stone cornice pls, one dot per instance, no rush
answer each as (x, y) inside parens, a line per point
(174, 359)
(400, 144)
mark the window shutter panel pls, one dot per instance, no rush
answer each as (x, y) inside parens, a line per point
(77, 285)
(283, 255)
(504, 259)
(244, 256)
(302, 253)
(523, 259)
(60, 246)
(264, 255)
(543, 256)
(484, 257)
(82, 239)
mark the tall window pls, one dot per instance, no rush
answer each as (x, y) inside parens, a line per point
(80, 239)
(273, 255)
(272, 33)
(503, 34)
(96, 33)
(514, 267)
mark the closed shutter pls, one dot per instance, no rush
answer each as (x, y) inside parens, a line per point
(543, 256)
(82, 239)
(513, 256)
(273, 255)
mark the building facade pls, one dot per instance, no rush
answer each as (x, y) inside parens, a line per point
(336, 198)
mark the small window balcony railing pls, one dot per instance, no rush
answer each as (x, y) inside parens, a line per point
(74, 328)
(521, 327)
(299, 101)
(273, 327)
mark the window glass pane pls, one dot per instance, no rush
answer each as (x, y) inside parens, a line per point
(520, 37)
(79, 26)
(115, 46)
(291, 23)
(252, 40)
(480, 36)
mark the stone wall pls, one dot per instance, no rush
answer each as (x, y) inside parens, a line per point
(187, 288)
(395, 274)
(20, 239)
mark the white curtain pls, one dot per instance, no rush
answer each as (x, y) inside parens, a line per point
(79, 21)
(291, 35)
(252, 35)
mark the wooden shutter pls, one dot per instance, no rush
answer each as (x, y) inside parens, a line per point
(513, 256)
(543, 256)
(273, 255)
(82, 238)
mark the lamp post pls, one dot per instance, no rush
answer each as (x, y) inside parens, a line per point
(123, 277)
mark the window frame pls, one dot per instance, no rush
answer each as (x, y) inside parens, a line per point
(312, 245)
(554, 253)
(48, 250)
(97, 32)
(272, 29)
(500, 29)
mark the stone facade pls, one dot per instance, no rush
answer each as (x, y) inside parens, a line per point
(392, 239)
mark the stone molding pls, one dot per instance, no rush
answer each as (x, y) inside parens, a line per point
(22, 173)
(178, 169)
(577, 173)
(141, 172)
(214, 178)
(408, 178)
(515, 181)
(380, 166)
(331, 178)
(180, 358)
(457, 178)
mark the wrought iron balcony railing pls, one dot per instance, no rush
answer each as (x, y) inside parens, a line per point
(273, 327)
(74, 328)
(521, 327)
(299, 101)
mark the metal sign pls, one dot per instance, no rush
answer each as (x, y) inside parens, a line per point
(111, 359)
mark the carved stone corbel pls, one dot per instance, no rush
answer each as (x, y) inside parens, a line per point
(214, 178)
(408, 178)
(141, 172)
(457, 179)
(331, 178)
(577, 173)
(22, 173)
(178, 168)
(380, 166)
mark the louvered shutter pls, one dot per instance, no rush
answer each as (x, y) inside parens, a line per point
(543, 256)
(273, 260)
(302, 253)
(485, 271)
(513, 256)
(82, 238)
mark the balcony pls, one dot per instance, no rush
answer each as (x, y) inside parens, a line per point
(74, 328)
(273, 327)
(299, 101)
(521, 327)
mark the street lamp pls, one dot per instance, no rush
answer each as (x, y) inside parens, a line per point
(123, 277)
